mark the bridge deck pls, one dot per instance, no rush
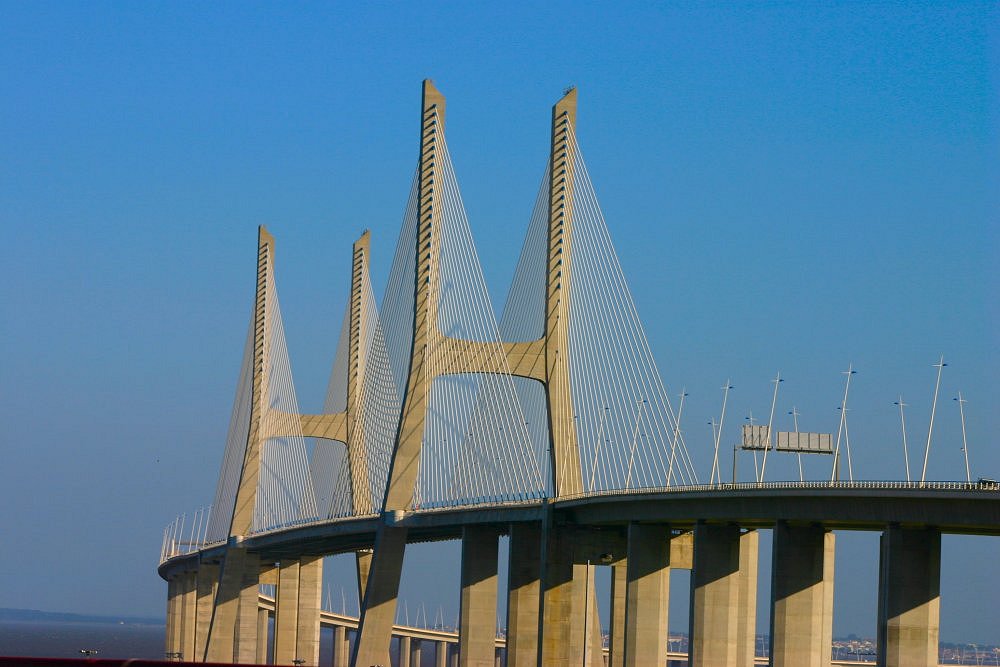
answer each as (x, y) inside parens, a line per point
(952, 508)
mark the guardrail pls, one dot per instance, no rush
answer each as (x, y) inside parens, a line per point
(173, 544)
(982, 485)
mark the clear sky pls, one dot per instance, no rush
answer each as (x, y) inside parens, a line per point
(790, 187)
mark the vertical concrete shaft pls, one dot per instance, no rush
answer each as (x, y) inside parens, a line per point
(297, 607)
(426, 335)
(189, 614)
(713, 634)
(830, 547)
(523, 587)
(232, 635)
(173, 634)
(801, 585)
(619, 585)
(404, 653)
(263, 617)
(441, 654)
(562, 427)
(566, 589)
(246, 493)
(909, 597)
(647, 595)
(415, 653)
(594, 643)
(245, 650)
(746, 614)
(207, 584)
(478, 609)
(341, 647)
(378, 608)
(307, 631)
(286, 610)
(361, 494)
(363, 560)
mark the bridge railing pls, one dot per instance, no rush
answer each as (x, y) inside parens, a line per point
(981, 485)
(181, 538)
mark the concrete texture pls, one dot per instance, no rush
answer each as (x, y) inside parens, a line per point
(909, 597)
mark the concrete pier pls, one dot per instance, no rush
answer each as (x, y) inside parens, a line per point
(173, 633)
(404, 652)
(415, 653)
(616, 641)
(523, 588)
(715, 596)
(909, 605)
(263, 618)
(801, 596)
(296, 617)
(233, 632)
(341, 647)
(378, 608)
(647, 595)
(564, 617)
(206, 586)
(746, 605)
(478, 609)
(286, 609)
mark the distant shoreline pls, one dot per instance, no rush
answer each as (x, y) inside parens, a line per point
(35, 615)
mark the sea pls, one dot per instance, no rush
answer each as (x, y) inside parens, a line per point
(66, 639)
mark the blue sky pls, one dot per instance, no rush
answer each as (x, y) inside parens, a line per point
(790, 187)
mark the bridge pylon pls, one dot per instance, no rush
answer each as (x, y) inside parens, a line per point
(232, 632)
(434, 353)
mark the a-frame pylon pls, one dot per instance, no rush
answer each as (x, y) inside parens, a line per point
(545, 359)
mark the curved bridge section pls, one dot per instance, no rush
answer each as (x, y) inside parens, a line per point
(551, 426)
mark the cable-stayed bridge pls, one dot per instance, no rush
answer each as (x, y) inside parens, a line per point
(552, 426)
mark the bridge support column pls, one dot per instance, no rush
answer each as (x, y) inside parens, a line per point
(206, 586)
(476, 633)
(415, 653)
(341, 647)
(378, 607)
(647, 595)
(173, 643)
(909, 597)
(715, 596)
(801, 587)
(524, 572)
(188, 608)
(616, 639)
(441, 654)
(404, 652)
(296, 616)
(233, 632)
(310, 601)
(286, 608)
(263, 616)
(567, 589)
(363, 561)
(746, 614)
